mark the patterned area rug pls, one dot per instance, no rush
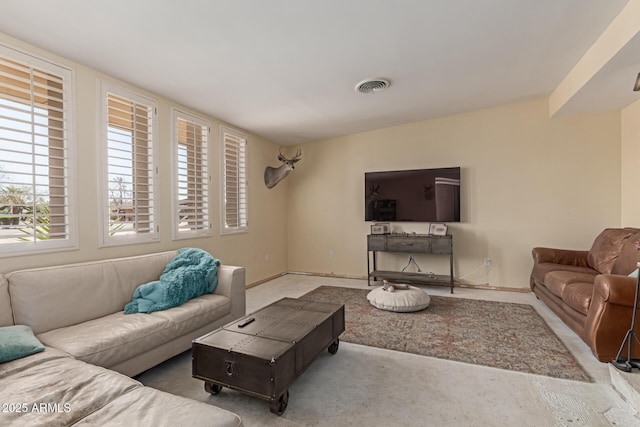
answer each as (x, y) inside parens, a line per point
(497, 334)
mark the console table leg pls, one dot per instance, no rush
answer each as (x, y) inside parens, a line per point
(451, 270)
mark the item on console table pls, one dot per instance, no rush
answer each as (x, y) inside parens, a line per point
(381, 228)
(377, 229)
(438, 229)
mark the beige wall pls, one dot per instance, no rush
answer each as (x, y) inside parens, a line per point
(612, 41)
(630, 124)
(527, 180)
(267, 208)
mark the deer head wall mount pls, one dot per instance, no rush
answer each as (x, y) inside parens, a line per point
(272, 176)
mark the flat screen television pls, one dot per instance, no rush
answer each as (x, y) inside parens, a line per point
(419, 195)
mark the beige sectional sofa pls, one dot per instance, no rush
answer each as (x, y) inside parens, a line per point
(76, 311)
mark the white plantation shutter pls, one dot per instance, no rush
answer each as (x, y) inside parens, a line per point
(129, 214)
(234, 181)
(35, 154)
(191, 189)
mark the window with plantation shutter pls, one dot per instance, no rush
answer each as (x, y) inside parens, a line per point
(129, 172)
(191, 176)
(234, 181)
(36, 149)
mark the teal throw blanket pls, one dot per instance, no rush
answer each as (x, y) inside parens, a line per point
(193, 272)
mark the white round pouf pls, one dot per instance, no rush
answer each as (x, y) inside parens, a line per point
(401, 300)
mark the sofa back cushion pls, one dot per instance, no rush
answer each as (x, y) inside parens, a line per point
(629, 256)
(607, 247)
(6, 316)
(54, 297)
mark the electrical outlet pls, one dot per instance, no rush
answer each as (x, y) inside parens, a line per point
(266, 257)
(331, 253)
(487, 261)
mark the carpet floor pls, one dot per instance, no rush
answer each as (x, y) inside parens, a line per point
(489, 333)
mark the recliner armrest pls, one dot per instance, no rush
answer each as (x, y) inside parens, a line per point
(610, 315)
(560, 256)
(615, 289)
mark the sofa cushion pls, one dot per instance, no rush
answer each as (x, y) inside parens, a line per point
(607, 247)
(578, 296)
(62, 389)
(540, 271)
(6, 316)
(556, 281)
(146, 406)
(111, 339)
(16, 342)
(196, 313)
(55, 297)
(10, 368)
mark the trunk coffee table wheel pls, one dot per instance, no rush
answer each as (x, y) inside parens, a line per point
(212, 388)
(333, 348)
(280, 405)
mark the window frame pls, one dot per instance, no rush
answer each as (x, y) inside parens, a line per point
(224, 229)
(69, 145)
(177, 234)
(105, 239)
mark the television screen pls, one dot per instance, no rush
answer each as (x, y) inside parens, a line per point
(423, 195)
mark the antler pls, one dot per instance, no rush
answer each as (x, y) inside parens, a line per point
(284, 158)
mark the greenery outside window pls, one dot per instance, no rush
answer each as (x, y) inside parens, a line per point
(36, 155)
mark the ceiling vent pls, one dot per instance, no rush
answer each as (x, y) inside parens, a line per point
(372, 85)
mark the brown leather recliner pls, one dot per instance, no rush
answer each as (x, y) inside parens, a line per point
(591, 290)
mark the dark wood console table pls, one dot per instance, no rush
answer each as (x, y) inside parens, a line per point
(409, 243)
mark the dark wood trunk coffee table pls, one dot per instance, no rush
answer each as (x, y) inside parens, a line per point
(263, 353)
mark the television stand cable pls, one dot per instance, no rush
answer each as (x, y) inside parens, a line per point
(412, 261)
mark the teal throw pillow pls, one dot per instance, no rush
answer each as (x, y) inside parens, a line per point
(634, 273)
(16, 342)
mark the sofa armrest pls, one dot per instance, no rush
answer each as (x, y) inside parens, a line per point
(615, 289)
(231, 283)
(560, 256)
(609, 316)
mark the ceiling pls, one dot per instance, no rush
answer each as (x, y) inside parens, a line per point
(286, 69)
